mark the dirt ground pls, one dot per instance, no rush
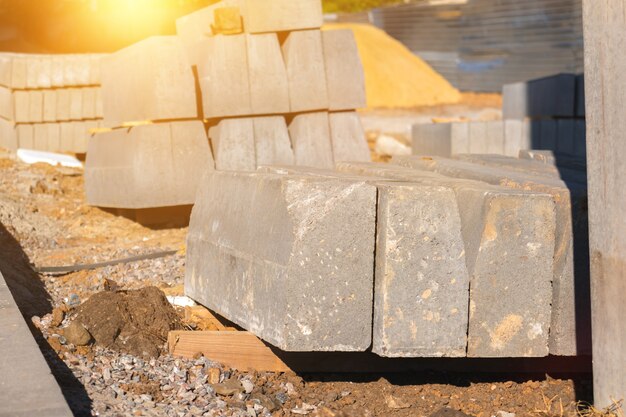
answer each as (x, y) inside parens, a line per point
(44, 221)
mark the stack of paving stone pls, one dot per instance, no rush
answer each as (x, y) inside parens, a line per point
(49, 102)
(542, 114)
(257, 77)
(428, 257)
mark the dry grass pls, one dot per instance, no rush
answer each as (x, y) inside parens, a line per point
(553, 407)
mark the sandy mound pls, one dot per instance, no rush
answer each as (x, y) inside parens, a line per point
(394, 77)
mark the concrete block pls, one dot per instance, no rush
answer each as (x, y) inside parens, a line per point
(269, 91)
(552, 96)
(149, 80)
(311, 141)
(477, 137)
(18, 72)
(262, 16)
(155, 165)
(25, 136)
(64, 100)
(21, 103)
(49, 105)
(565, 136)
(442, 139)
(514, 138)
(70, 63)
(40, 137)
(548, 134)
(233, 145)
(6, 65)
(228, 21)
(8, 135)
(35, 106)
(33, 68)
(304, 59)
(345, 79)
(83, 69)
(95, 63)
(307, 288)
(495, 137)
(56, 71)
(44, 75)
(76, 103)
(80, 137)
(98, 103)
(54, 137)
(580, 139)
(348, 137)
(66, 131)
(6, 104)
(570, 321)
(580, 95)
(272, 142)
(224, 58)
(89, 103)
(497, 278)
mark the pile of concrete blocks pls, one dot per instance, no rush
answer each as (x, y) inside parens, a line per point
(243, 84)
(541, 114)
(427, 257)
(49, 102)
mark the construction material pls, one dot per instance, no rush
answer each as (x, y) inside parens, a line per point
(281, 15)
(307, 287)
(233, 145)
(153, 165)
(239, 350)
(394, 76)
(498, 297)
(311, 140)
(272, 142)
(31, 389)
(604, 24)
(553, 96)
(65, 269)
(569, 328)
(346, 134)
(269, 89)
(149, 80)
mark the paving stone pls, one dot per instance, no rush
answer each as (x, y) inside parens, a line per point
(569, 328)
(304, 59)
(311, 141)
(307, 288)
(442, 139)
(552, 96)
(498, 279)
(421, 284)
(233, 144)
(224, 58)
(262, 16)
(49, 106)
(269, 90)
(272, 142)
(345, 79)
(149, 80)
(155, 165)
(348, 137)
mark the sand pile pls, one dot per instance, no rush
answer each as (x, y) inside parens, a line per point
(394, 76)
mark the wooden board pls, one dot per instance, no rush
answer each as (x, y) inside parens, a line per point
(239, 350)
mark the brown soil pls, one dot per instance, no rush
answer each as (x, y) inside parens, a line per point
(135, 322)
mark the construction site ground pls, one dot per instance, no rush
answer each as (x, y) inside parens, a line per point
(45, 221)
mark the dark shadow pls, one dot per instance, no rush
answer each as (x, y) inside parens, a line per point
(33, 300)
(156, 218)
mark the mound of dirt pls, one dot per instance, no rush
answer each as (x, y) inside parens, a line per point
(135, 322)
(395, 77)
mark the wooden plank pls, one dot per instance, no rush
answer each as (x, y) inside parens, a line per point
(239, 350)
(605, 92)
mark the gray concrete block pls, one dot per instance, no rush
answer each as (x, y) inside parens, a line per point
(18, 71)
(421, 282)
(88, 103)
(307, 287)
(49, 105)
(580, 139)
(44, 74)
(76, 103)
(155, 165)
(63, 105)
(56, 71)
(8, 135)
(478, 137)
(21, 106)
(31, 389)
(311, 141)
(25, 136)
(233, 144)
(548, 135)
(272, 142)
(514, 138)
(442, 139)
(149, 80)
(580, 95)
(40, 137)
(569, 328)
(498, 261)
(565, 136)
(269, 89)
(6, 104)
(345, 78)
(54, 137)
(348, 137)
(552, 96)
(35, 106)
(6, 64)
(262, 16)
(495, 137)
(304, 59)
(224, 58)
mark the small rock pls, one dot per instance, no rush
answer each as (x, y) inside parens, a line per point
(230, 387)
(304, 409)
(449, 412)
(504, 414)
(213, 375)
(55, 343)
(58, 314)
(265, 401)
(76, 334)
(396, 403)
(248, 386)
(282, 398)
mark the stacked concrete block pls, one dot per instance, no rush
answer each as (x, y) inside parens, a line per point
(569, 328)
(307, 287)
(38, 93)
(447, 139)
(152, 165)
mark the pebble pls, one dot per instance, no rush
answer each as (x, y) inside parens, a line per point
(76, 334)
